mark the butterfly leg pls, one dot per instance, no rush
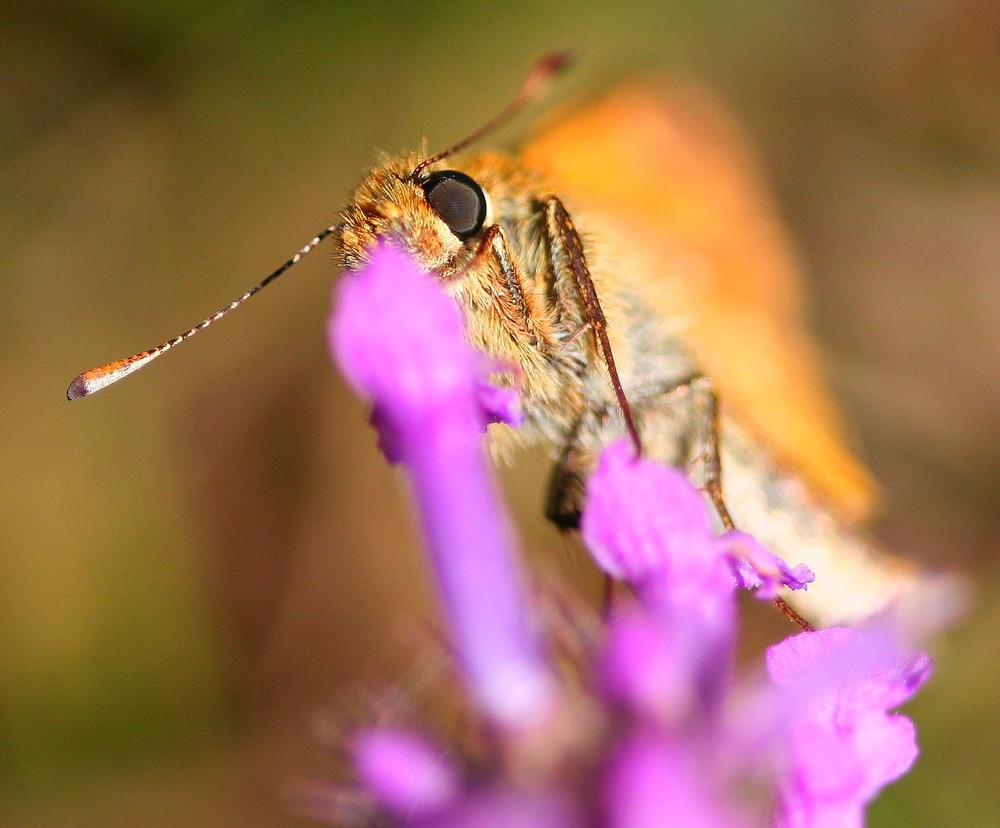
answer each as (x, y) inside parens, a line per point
(512, 301)
(679, 426)
(709, 442)
(711, 457)
(671, 425)
(572, 276)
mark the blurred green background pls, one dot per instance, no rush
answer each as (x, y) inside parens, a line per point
(196, 563)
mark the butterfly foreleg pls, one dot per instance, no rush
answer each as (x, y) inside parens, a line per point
(679, 426)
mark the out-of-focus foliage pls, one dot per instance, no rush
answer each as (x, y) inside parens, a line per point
(195, 563)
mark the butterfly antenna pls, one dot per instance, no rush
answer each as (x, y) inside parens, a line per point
(92, 381)
(540, 72)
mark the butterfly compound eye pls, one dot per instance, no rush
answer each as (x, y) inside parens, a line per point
(458, 200)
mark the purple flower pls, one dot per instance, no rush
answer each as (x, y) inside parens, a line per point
(645, 523)
(646, 667)
(843, 745)
(399, 340)
(636, 728)
(756, 568)
(652, 782)
(508, 807)
(404, 773)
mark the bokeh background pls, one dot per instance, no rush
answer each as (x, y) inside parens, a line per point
(194, 564)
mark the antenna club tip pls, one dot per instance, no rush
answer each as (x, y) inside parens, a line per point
(558, 61)
(77, 389)
(547, 66)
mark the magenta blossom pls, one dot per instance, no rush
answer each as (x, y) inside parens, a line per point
(635, 728)
(646, 524)
(837, 688)
(405, 774)
(400, 341)
(652, 782)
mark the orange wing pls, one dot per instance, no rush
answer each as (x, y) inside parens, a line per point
(668, 170)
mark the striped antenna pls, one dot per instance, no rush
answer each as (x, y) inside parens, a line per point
(92, 381)
(540, 72)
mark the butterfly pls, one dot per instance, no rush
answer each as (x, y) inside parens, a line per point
(628, 271)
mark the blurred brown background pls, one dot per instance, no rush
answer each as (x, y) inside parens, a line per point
(196, 562)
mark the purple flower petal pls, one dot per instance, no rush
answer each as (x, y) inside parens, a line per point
(504, 807)
(756, 568)
(866, 666)
(654, 735)
(405, 774)
(399, 340)
(651, 783)
(844, 746)
(646, 523)
(499, 404)
(648, 668)
(401, 347)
